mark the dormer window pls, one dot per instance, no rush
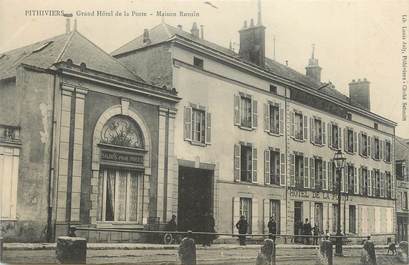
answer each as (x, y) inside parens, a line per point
(198, 62)
(273, 89)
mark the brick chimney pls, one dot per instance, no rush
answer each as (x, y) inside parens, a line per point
(313, 70)
(359, 93)
(195, 30)
(252, 43)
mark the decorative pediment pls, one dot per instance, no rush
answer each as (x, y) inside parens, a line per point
(122, 131)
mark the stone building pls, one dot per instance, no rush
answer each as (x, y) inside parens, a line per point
(83, 140)
(254, 137)
(402, 188)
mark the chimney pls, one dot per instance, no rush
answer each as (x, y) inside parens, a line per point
(313, 70)
(68, 23)
(252, 43)
(202, 32)
(359, 93)
(180, 27)
(195, 30)
(146, 39)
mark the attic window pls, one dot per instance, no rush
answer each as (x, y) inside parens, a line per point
(273, 89)
(375, 125)
(349, 116)
(198, 62)
(42, 47)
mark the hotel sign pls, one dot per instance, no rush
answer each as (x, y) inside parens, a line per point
(321, 195)
(122, 158)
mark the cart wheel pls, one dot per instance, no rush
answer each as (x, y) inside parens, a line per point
(167, 239)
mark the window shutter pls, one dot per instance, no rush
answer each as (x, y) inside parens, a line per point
(292, 170)
(368, 140)
(267, 166)
(382, 184)
(187, 133)
(329, 134)
(312, 130)
(345, 139)
(283, 173)
(281, 123)
(356, 181)
(254, 109)
(208, 127)
(305, 124)
(254, 216)
(236, 212)
(361, 182)
(266, 213)
(355, 136)
(370, 179)
(346, 179)
(278, 167)
(330, 175)
(324, 136)
(384, 150)
(373, 155)
(312, 173)
(237, 161)
(339, 138)
(266, 117)
(324, 176)
(292, 129)
(254, 167)
(381, 147)
(360, 144)
(236, 109)
(306, 179)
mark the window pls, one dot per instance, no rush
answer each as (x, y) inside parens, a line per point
(404, 199)
(275, 213)
(197, 125)
(350, 140)
(348, 116)
(376, 148)
(332, 176)
(273, 89)
(352, 219)
(388, 180)
(246, 210)
(299, 171)
(387, 150)
(364, 145)
(364, 181)
(334, 134)
(121, 194)
(317, 128)
(245, 163)
(245, 111)
(317, 173)
(400, 170)
(352, 180)
(377, 178)
(273, 118)
(198, 62)
(9, 165)
(299, 125)
(375, 125)
(272, 166)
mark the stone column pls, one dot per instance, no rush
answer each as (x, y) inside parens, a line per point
(172, 177)
(162, 164)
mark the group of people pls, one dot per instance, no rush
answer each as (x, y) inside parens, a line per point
(203, 224)
(305, 231)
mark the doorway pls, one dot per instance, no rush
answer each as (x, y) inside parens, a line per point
(318, 216)
(298, 220)
(195, 197)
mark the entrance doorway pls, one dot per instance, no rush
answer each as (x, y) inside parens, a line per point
(195, 197)
(318, 216)
(298, 220)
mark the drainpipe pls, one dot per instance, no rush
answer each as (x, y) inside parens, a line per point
(286, 158)
(51, 174)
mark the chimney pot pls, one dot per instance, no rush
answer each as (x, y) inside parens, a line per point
(180, 27)
(146, 38)
(67, 25)
(195, 30)
(359, 92)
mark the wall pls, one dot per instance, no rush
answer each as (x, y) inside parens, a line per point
(32, 100)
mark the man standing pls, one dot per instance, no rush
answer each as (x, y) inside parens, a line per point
(316, 232)
(272, 228)
(307, 231)
(241, 225)
(187, 250)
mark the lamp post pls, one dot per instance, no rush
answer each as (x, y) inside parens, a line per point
(339, 160)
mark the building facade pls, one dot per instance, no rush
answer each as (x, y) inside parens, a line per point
(256, 138)
(83, 140)
(402, 188)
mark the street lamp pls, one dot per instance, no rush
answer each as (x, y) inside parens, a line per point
(339, 160)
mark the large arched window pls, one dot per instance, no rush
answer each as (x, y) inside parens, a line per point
(122, 131)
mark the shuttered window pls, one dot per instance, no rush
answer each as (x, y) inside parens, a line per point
(197, 125)
(245, 163)
(299, 126)
(273, 118)
(272, 166)
(245, 111)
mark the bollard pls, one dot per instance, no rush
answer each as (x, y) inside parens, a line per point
(326, 255)
(266, 256)
(71, 250)
(187, 250)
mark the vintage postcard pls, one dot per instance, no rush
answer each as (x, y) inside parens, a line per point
(204, 132)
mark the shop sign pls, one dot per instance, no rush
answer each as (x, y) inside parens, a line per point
(122, 158)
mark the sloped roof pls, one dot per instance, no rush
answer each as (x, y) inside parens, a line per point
(74, 46)
(164, 32)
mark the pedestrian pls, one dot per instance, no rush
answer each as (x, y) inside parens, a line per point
(242, 225)
(272, 228)
(187, 250)
(307, 231)
(316, 232)
(369, 250)
(265, 256)
(172, 226)
(208, 227)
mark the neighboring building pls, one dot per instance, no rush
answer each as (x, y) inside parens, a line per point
(402, 188)
(82, 140)
(256, 138)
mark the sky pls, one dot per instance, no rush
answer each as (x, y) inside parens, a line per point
(353, 39)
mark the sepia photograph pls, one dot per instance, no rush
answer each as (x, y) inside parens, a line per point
(188, 132)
